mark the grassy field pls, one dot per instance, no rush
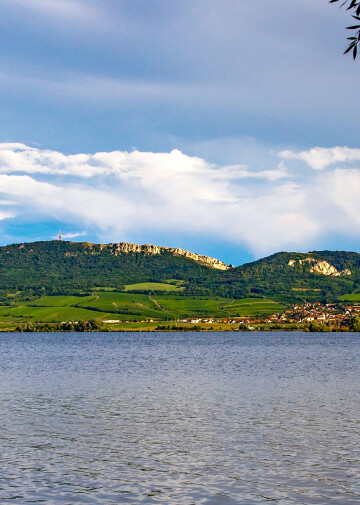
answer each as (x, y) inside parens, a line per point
(140, 308)
(152, 286)
(23, 314)
(353, 297)
(253, 307)
(222, 307)
(59, 301)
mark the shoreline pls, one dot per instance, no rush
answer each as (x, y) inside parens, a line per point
(45, 328)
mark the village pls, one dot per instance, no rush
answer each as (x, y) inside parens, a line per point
(336, 315)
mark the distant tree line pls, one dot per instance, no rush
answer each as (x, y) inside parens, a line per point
(76, 326)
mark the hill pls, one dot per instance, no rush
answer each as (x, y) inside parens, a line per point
(60, 267)
(318, 275)
(67, 267)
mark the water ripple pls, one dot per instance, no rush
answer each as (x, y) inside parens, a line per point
(181, 419)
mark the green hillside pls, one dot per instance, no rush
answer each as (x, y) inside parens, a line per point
(130, 307)
(68, 267)
(272, 276)
(32, 271)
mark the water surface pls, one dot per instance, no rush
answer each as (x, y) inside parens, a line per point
(207, 418)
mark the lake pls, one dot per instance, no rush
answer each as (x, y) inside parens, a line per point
(180, 418)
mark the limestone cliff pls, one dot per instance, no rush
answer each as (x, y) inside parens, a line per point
(125, 247)
(320, 267)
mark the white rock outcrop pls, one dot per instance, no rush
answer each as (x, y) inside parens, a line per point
(320, 267)
(125, 248)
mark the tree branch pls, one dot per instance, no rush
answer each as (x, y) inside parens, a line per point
(354, 40)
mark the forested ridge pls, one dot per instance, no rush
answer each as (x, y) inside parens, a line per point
(60, 267)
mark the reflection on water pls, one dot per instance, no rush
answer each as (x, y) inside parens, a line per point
(215, 419)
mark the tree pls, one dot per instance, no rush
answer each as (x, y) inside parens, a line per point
(355, 324)
(354, 40)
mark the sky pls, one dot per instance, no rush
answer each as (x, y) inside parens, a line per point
(228, 128)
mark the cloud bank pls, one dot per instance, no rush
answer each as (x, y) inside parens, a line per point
(319, 158)
(122, 194)
(75, 74)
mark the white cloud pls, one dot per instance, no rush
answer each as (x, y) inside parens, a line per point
(18, 157)
(68, 9)
(117, 194)
(6, 215)
(319, 158)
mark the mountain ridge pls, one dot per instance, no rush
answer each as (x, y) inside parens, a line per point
(65, 267)
(126, 247)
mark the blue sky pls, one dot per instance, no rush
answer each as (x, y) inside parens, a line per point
(228, 128)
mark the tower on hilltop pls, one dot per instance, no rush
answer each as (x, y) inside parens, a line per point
(60, 236)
